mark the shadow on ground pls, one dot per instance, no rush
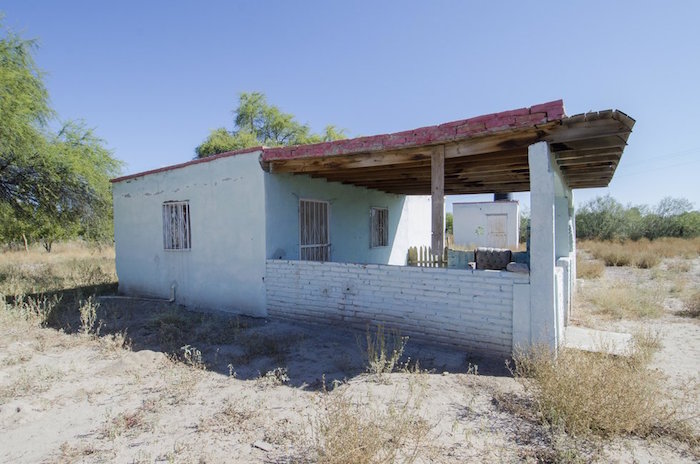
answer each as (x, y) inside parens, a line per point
(313, 355)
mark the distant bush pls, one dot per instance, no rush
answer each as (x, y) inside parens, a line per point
(642, 253)
(604, 218)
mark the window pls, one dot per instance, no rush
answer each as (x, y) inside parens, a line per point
(314, 242)
(379, 227)
(177, 234)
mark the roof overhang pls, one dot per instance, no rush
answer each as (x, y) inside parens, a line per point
(485, 154)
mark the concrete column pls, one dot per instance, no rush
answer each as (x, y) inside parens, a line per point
(543, 313)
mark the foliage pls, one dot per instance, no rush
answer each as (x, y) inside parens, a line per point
(259, 123)
(600, 394)
(52, 186)
(524, 231)
(449, 221)
(604, 218)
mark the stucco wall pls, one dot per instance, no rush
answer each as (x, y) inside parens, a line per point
(409, 219)
(225, 267)
(470, 223)
(470, 309)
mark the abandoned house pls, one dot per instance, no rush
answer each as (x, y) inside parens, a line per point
(321, 232)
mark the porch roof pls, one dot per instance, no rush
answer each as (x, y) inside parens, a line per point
(484, 154)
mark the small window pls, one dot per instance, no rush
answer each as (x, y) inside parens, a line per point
(379, 227)
(177, 234)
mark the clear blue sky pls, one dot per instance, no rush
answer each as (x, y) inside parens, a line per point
(155, 77)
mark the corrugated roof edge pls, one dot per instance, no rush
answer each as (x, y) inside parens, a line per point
(242, 151)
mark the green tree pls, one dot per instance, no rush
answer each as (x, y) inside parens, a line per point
(52, 186)
(601, 218)
(449, 223)
(259, 123)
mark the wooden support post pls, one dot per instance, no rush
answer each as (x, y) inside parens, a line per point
(437, 193)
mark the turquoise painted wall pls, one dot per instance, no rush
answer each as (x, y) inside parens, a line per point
(409, 219)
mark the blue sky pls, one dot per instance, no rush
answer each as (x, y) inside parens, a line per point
(154, 77)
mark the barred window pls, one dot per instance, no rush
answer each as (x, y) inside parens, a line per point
(314, 238)
(177, 234)
(379, 227)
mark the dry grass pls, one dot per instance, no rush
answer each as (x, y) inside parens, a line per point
(589, 269)
(232, 418)
(691, 306)
(70, 265)
(642, 253)
(383, 350)
(353, 432)
(619, 300)
(29, 382)
(598, 394)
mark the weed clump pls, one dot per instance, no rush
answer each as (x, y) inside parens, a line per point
(599, 394)
(691, 306)
(346, 432)
(88, 317)
(383, 351)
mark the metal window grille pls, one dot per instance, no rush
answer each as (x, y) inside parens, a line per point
(379, 227)
(314, 239)
(177, 233)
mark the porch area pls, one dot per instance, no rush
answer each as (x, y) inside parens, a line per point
(537, 149)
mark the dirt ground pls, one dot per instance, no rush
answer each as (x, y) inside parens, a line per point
(255, 390)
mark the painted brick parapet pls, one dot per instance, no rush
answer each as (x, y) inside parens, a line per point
(550, 112)
(471, 309)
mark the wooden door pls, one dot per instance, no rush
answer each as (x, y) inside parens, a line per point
(496, 230)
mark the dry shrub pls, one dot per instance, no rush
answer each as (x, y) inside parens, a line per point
(39, 310)
(88, 317)
(589, 269)
(691, 306)
(599, 394)
(349, 432)
(679, 266)
(383, 351)
(647, 260)
(619, 300)
(641, 253)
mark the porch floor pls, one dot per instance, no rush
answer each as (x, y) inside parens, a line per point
(600, 341)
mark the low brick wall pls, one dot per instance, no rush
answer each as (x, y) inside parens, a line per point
(470, 309)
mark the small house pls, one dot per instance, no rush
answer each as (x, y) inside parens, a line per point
(321, 232)
(487, 224)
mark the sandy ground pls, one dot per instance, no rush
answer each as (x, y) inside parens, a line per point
(67, 397)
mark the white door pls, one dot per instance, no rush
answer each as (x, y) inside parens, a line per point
(314, 236)
(496, 230)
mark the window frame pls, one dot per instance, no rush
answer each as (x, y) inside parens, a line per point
(307, 246)
(383, 240)
(183, 241)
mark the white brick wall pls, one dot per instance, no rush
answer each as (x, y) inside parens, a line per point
(469, 308)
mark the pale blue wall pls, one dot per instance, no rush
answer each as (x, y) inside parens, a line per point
(409, 219)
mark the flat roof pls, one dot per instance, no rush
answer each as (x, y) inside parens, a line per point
(484, 154)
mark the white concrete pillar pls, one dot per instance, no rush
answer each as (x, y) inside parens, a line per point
(543, 314)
